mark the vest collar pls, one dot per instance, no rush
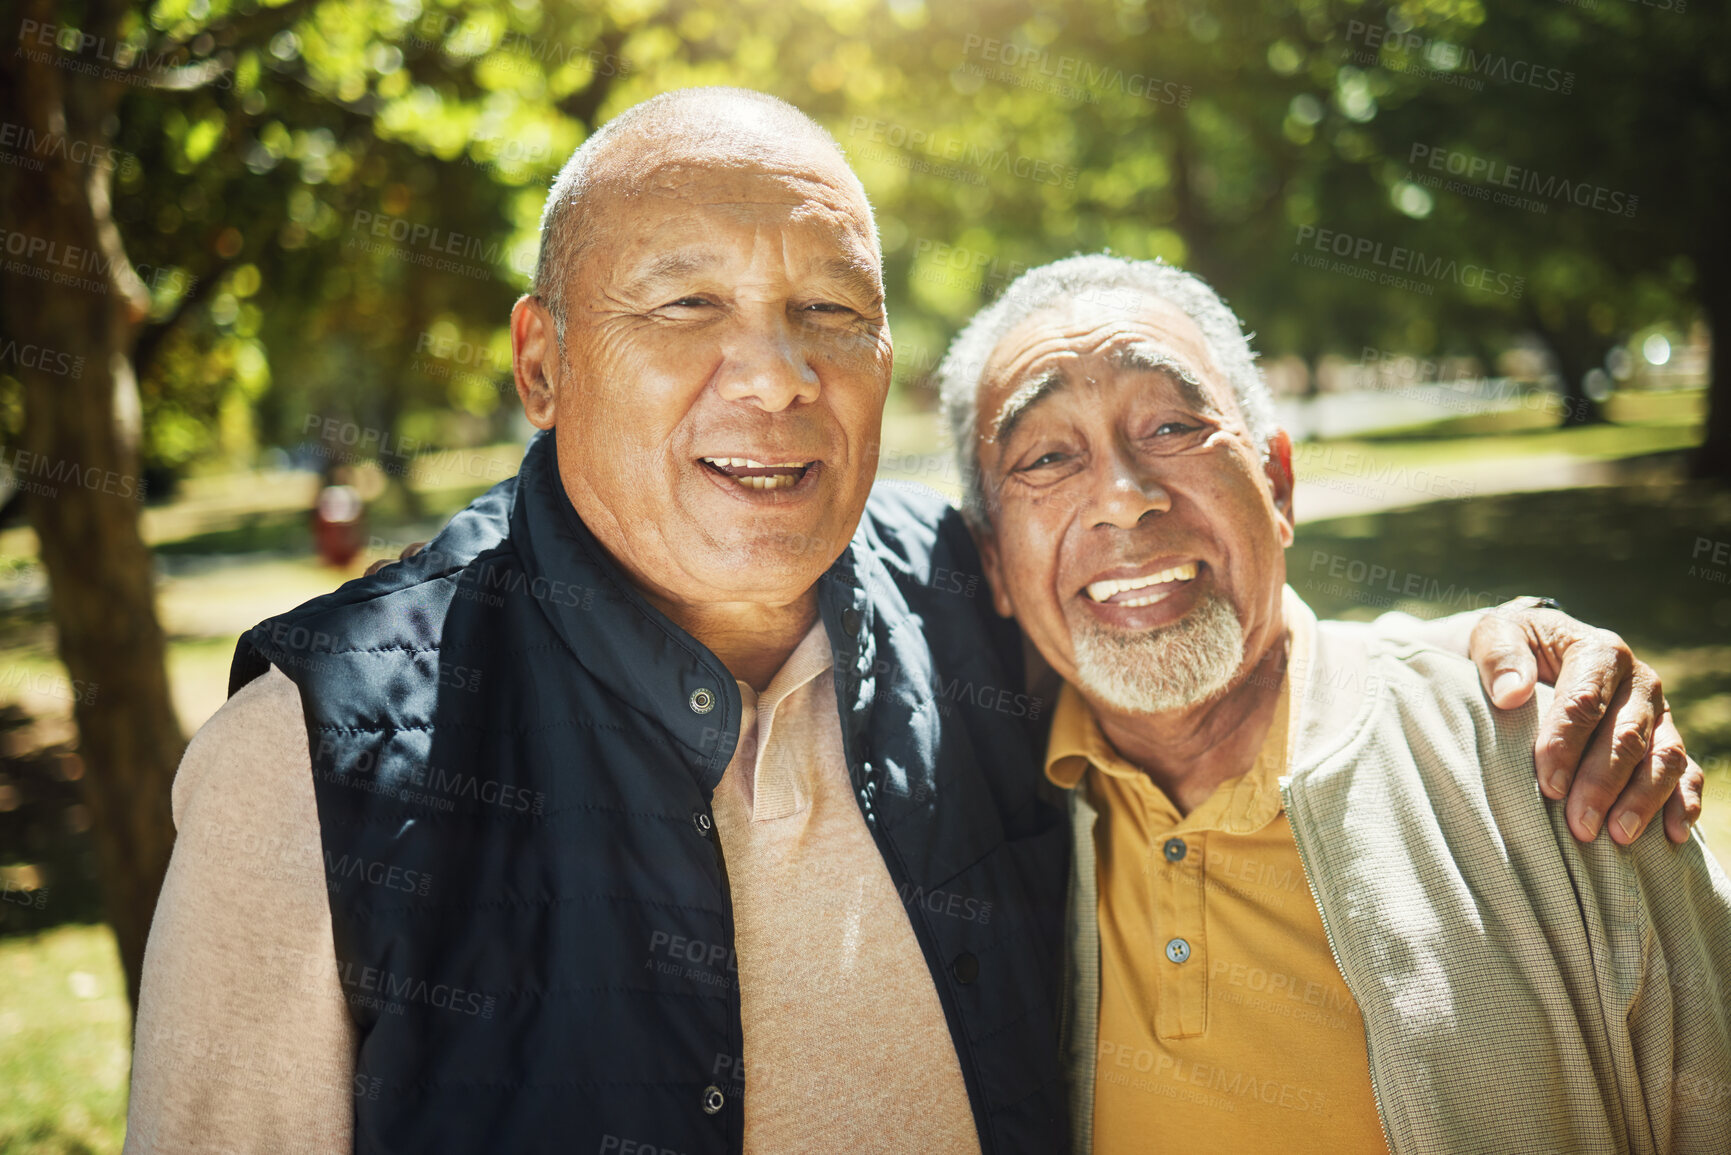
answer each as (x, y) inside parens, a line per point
(653, 665)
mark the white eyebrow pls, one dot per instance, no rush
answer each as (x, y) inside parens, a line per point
(1142, 356)
(1019, 401)
(1151, 357)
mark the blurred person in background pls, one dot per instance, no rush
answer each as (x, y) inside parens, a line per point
(339, 520)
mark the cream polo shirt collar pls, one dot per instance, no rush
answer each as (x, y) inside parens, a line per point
(777, 786)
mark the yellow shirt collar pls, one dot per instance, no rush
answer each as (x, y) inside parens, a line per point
(1239, 805)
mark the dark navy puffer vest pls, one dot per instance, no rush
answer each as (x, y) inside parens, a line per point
(514, 755)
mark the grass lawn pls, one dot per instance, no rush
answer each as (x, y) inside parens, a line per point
(1641, 423)
(64, 1041)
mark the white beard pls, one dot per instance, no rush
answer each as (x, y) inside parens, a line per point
(1170, 668)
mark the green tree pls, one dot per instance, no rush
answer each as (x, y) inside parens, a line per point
(192, 212)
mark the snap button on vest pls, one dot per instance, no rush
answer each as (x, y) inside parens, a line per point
(701, 821)
(966, 968)
(713, 1099)
(702, 700)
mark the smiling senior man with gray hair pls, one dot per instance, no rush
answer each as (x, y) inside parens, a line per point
(662, 804)
(1469, 976)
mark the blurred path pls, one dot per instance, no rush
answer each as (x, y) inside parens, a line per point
(1343, 484)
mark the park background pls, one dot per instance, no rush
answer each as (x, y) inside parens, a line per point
(253, 250)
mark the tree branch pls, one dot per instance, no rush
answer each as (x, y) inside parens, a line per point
(585, 105)
(186, 78)
(152, 337)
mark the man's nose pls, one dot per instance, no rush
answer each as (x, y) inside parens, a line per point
(1122, 492)
(764, 363)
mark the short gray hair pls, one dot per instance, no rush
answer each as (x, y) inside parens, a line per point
(688, 111)
(1099, 277)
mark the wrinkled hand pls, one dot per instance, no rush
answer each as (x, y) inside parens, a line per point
(409, 551)
(1607, 742)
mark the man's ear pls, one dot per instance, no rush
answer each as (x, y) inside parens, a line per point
(535, 358)
(990, 561)
(1277, 463)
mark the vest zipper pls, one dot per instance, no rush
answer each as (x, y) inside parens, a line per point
(1328, 933)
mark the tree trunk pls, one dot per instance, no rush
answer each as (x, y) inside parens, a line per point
(1713, 457)
(1573, 367)
(81, 418)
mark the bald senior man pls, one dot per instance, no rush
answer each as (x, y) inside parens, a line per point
(673, 768)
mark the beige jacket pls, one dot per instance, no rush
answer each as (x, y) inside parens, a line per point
(1521, 992)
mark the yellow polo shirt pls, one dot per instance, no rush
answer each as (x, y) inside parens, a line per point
(1224, 1023)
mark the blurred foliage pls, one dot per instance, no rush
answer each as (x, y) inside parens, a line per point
(47, 867)
(338, 201)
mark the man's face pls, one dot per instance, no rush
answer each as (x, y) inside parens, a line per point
(721, 390)
(1137, 532)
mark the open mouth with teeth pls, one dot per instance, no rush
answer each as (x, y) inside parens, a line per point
(1145, 589)
(757, 474)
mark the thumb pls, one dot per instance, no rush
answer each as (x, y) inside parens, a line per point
(1504, 655)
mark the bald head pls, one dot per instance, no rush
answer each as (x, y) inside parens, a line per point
(688, 128)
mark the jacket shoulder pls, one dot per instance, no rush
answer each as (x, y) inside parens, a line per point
(1415, 713)
(1438, 697)
(916, 532)
(389, 601)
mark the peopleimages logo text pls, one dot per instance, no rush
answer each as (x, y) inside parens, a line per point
(1453, 61)
(1410, 262)
(1484, 170)
(943, 147)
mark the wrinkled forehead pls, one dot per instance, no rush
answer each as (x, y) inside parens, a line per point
(1093, 326)
(677, 201)
(1081, 339)
(794, 192)
(731, 162)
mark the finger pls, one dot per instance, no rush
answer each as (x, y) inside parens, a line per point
(1503, 652)
(409, 551)
(1592, 793)
(1611, 767)
(1652, 785)
(1683, 808)
(1587, 681)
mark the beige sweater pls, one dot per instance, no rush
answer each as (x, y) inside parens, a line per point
(244, 1042)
